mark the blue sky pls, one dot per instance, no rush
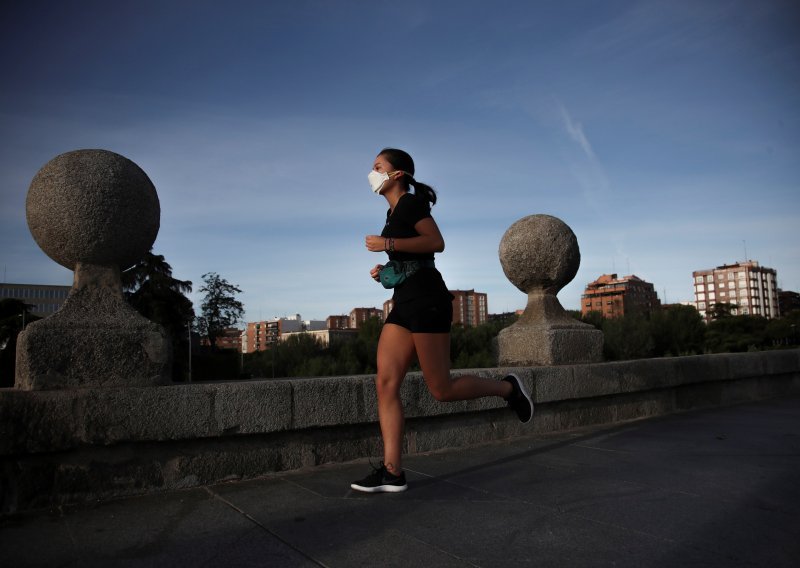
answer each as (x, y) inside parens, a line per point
(666, 134)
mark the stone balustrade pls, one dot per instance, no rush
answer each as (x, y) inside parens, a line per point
(83, 444)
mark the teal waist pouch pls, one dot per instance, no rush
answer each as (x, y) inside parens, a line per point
(395, 272)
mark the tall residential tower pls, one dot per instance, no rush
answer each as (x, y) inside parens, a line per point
(750, 289)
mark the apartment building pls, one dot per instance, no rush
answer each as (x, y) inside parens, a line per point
(231, 338)
(44, 298)
(360, 315)
(750, 289)
(337, 322)
(261, 334)
(614, 297)
(470, 308)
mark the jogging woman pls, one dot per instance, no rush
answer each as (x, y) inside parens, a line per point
(419, 323)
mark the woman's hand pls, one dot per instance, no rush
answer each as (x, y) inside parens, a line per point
(376, 243)
(375, 272)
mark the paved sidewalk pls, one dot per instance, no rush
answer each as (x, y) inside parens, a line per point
(717, 487)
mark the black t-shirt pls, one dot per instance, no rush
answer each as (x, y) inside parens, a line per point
(411, 209)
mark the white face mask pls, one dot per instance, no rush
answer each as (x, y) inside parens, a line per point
(378, 179)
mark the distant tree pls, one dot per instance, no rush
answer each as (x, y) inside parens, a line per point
(14, 315)
(677, 330)
(784, 332)
(592, 318)
(736, 334)
(721, 310)
(220, 308)
(627, 337)
(472, 347)
(150, 288)
(366, 349)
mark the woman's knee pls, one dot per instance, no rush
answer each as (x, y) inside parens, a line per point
(388, 384)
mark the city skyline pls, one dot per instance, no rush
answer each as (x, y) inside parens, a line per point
(665, 134)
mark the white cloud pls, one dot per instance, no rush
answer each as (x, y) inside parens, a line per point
(575, 131)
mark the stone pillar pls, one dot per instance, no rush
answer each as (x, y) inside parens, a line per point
(96, 213)
(540, 256)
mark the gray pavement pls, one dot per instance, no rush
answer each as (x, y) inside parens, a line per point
(717, 487)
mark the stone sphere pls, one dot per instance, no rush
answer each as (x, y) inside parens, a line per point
(94, 207)
(540, 252)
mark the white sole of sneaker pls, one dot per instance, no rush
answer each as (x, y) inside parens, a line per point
(380, 488)
(524, 392)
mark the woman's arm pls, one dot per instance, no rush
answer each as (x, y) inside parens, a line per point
(429, 240)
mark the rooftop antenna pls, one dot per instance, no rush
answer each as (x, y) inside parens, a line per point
(745, 249)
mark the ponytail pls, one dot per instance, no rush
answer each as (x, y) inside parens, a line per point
(423, 190)
(402, 161)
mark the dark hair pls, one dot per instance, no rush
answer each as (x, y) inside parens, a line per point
(402, 161)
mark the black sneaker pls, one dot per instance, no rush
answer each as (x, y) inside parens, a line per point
(381, 481)
(519, 401)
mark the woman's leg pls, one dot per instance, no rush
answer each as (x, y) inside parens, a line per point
(395, 352)
(433, 352)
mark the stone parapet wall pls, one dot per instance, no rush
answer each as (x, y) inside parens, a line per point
(73, 445)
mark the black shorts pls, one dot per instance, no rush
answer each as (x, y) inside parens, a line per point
(423, 315)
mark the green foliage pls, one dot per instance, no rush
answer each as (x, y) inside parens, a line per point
(220, 308)
(672, 331)
(733, 334)
(303, 356)
(628, 337)
(677, 330)
(154, 293)
(721, 310)
(680, 330)
(473, 347)
(784, 332)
